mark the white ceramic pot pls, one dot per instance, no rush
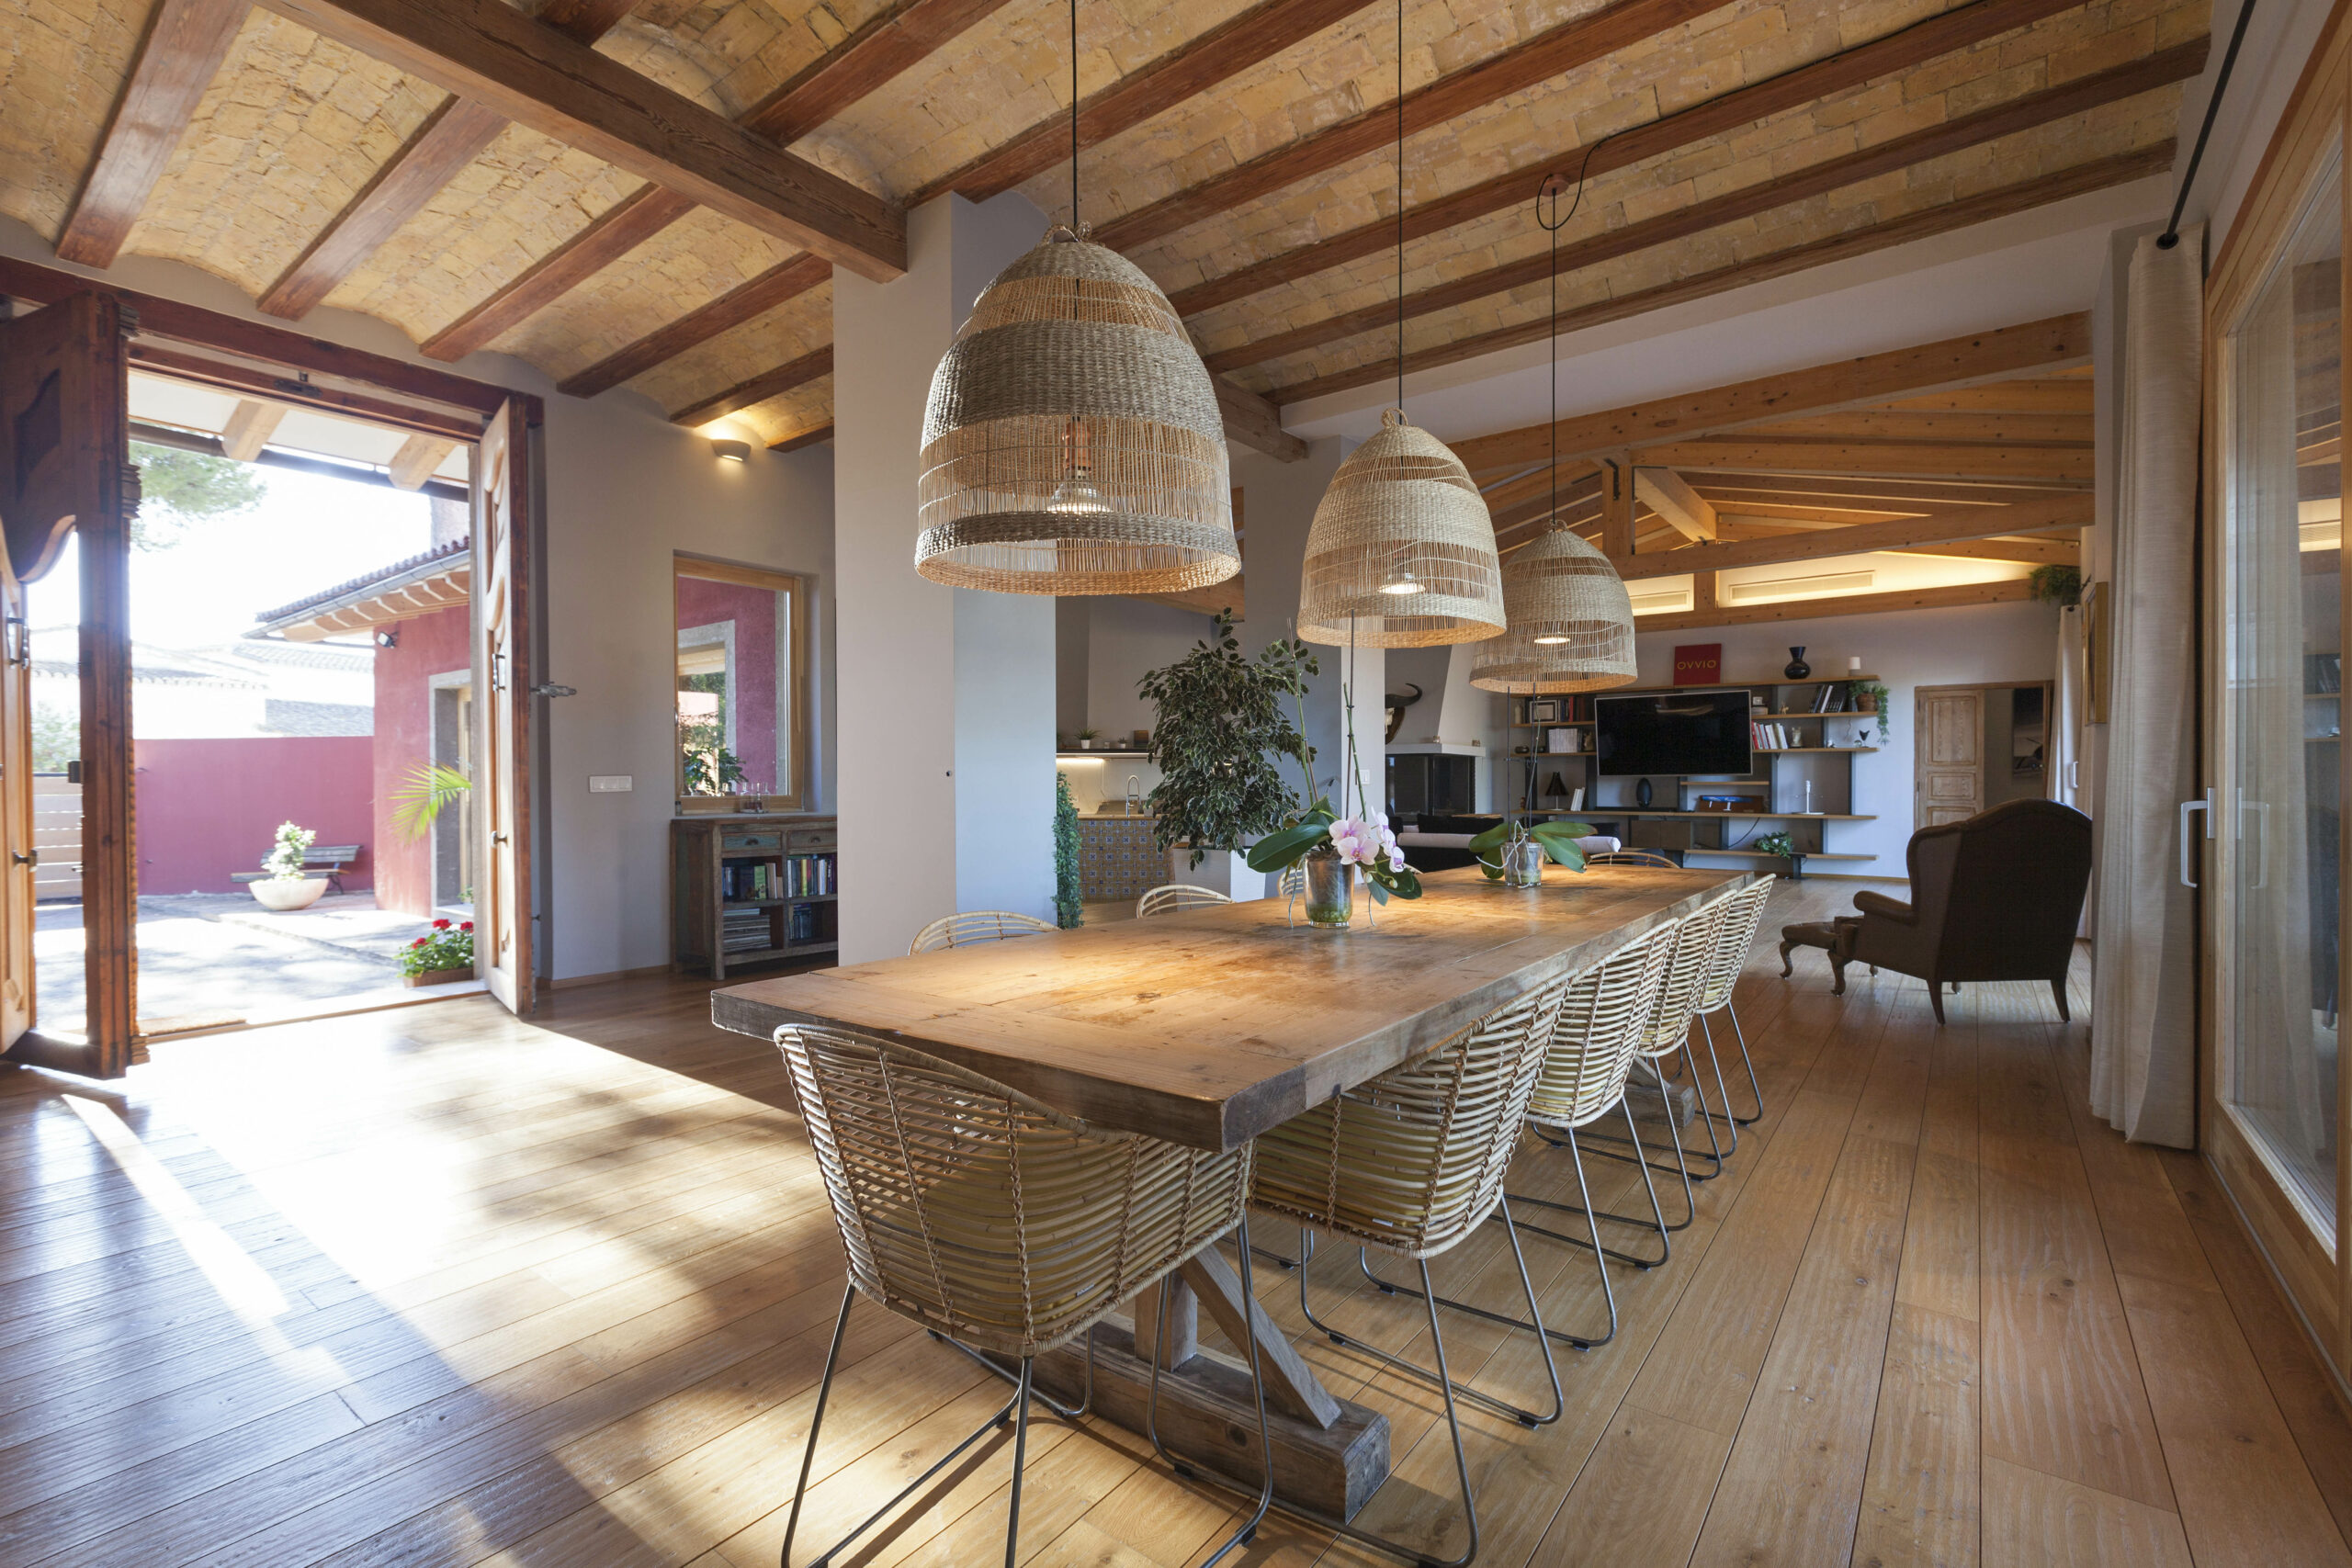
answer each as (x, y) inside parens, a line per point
(1226, 871)
(284, 896)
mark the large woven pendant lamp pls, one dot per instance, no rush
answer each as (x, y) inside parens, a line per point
(1571, 620)
(1072, 442)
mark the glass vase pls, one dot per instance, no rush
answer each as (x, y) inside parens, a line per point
(1330, 890)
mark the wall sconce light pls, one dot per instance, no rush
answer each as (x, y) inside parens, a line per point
(388, 637)
(731, 451)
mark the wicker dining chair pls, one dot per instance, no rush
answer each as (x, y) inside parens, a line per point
(1631, 857)
(977, 925)
(997, 1222)
(1741, 922)
(1175, 898)
(1604, 1017)
(1410, 1163)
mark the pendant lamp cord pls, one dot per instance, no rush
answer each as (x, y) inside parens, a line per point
(1073, 115)
(2171, 236)
(1400, 206)
(1550, 191)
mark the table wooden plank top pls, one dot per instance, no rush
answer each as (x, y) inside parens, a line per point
(1212, 1026)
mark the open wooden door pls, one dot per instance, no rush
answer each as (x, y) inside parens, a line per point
(501, 646)
(17, 857)
(66, 468)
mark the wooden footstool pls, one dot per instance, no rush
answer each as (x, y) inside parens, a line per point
(1835, 937)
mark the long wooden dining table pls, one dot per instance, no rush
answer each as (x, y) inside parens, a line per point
(1208, 1027)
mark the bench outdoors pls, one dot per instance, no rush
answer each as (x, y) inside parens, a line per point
(332, 859)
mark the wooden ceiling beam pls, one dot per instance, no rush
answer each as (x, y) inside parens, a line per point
(491, 54)
(1669, 495)
(1975, 522)
(1956, 28)
(2022, 196)
(250, 427)
(2060, 340)
(809, 366)
(809, 437)
(2008, 592)
(2058, 466)
(186, 42)
(1553, 53)
(452, 136)
(1738, 492)
(2043, 549)
(785, 281)
(1991, 428)
(1219, 54)
(1255, 422)
(857, 65)
(1782, 188)
(2008, 398)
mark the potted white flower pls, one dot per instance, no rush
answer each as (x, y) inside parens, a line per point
(287, 887)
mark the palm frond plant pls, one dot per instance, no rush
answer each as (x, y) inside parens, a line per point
(419, 801)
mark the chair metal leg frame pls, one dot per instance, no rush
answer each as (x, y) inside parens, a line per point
(1499, 1407)
(1017, 1407)
(1601, 1256)
(1656, 1222)
(1444, 1380)
(1717, 1152)
(1067, 1411)
(1755, 1090)
(1248, 1532)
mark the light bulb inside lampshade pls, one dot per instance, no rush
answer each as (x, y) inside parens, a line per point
(1571, 622)
(1072, 442)
(1401, 553)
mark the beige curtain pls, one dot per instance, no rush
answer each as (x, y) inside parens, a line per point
(2069, 696)
(2143, 1015)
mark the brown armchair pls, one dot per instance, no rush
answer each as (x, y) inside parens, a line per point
(1995, 898)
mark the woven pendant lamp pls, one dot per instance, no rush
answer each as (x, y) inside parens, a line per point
(1401, 553)
(1571, 622)
(1571, 619)
(1072, 442)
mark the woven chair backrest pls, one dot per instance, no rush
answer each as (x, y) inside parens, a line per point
(1176, 897)
(976, 925)
(1631, 857)
(976, 1211)
(1412, 1161)
(1602, 1020)
(1743, 914)
(1687, 969)
(1293, 881)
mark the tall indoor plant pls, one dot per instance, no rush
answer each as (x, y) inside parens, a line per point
(1219, 722)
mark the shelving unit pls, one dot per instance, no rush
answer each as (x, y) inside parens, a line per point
(1671, 827)
(711, 931)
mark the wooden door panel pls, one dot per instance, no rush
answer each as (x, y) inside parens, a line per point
(1948, 758)
(501, 780)
(64, 468)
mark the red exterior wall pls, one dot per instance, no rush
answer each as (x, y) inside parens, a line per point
(208, 808)
(429, 646)
(703, 603)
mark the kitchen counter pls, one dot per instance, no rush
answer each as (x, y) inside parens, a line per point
(1117, 857)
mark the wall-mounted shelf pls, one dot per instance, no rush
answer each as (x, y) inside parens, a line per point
(1101, 756)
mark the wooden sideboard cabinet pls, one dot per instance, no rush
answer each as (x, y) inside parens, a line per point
(752, 889)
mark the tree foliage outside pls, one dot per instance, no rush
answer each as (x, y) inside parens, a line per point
(1069, 898)
(177, 488)
(1219, 728)
(57, 738)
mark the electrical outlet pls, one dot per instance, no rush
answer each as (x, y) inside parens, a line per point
(611, 784)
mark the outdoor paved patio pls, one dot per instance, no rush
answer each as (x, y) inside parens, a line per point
(223, 953)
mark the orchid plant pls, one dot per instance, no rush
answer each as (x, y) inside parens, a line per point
(1558, 841)
(1362, 841)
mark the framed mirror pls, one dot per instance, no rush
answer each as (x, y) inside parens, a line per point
(742, 657)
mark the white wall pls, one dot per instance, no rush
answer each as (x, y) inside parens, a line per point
(1125, 638)
(1911, 649)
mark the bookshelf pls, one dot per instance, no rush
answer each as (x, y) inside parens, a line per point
(1768, 798)
(752, 888)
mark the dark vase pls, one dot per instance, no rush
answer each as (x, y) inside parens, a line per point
(1797, 669)
(1642, 793)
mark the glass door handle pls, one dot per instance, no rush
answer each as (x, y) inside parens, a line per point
(2187, 873)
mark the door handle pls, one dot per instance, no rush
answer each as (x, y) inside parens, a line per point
(498, 838)
(2187, 877)
(25, 857)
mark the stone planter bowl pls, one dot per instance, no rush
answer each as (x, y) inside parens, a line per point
(287, 896)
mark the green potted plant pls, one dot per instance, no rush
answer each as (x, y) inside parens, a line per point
(1557, 840)
(1871, 697)
(2060, 585)
(1087, 737)
(444, 954)
(1069, 906)
(286, 887)
(1782, 845)
(1219, 725)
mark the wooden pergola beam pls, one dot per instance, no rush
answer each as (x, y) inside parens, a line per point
(1942, 527)
(2021, 196)
(492, 54)
(451, 137)
(785, 281)
(186, 42)
(250, 427)
(2007, 592)
(1956, 28)
(894, 39)
(1218, 55)
(418, 456)
(1553, 53)
(1979, 356)
(1781, 190)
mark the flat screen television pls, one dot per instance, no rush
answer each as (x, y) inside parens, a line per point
(1672, 732)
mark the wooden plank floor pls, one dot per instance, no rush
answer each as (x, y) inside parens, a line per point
(440, 1286)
